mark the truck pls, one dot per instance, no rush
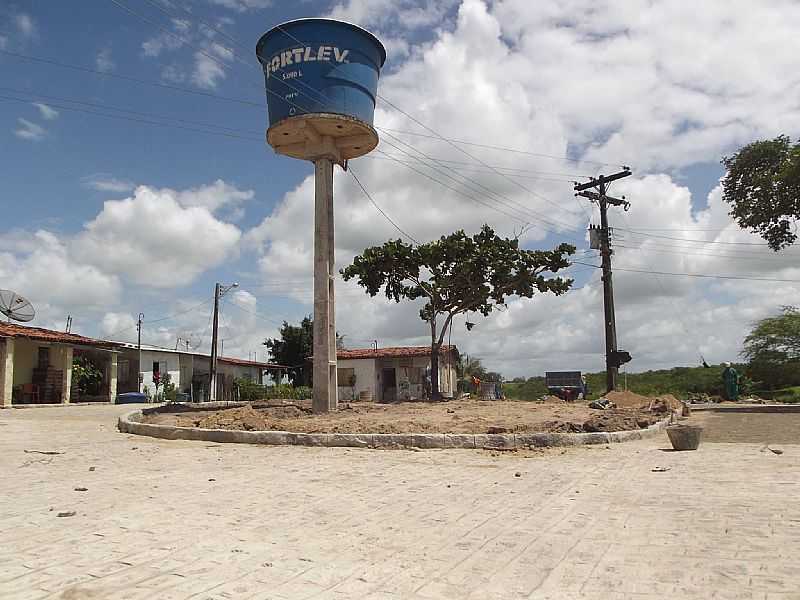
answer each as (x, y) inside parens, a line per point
(567, 385)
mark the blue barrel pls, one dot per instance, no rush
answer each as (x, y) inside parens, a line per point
(320, 66)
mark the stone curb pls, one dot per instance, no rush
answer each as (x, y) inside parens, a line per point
(747, 408)
(131, 423)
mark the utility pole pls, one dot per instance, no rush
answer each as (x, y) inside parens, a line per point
(219, 291)
(614, 356)
(325, 388)
(139, 329)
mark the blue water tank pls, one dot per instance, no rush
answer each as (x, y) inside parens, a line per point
(320, 66)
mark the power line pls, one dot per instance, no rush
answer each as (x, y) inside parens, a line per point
(508, 201)
(185, 90)
(504, 149)
(380, 210)
(704, 275)
(659, 250)
(666, 237)
(132, 119)
(40, 95)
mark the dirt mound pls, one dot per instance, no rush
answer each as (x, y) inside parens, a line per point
(463, 416)
(628, 399)
(658, 404)
(246, 418)
(619, 420)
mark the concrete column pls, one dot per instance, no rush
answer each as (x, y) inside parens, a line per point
(324, 398)
(66, 382)
(6, 371)
(112, 379)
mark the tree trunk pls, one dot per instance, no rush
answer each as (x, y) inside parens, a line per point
(435, 395)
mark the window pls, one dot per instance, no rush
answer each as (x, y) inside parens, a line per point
(346, 377)
(155, 367)
(44, 357)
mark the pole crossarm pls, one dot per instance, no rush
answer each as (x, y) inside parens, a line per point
(597, 181)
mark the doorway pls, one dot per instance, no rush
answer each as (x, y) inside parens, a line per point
(389, 387)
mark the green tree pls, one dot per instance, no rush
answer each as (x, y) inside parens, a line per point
(470, 366)
(86, 376)
(762, 186)
(293, 348)
(773, 349)
(457, 274)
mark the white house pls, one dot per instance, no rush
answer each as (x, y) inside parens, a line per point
(188, 371)
(392, 374)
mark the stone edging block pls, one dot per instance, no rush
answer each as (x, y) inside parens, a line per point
(132, 423)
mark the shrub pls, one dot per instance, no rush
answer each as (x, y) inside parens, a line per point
(250, 391)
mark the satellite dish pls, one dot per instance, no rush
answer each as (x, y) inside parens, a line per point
(15, 306)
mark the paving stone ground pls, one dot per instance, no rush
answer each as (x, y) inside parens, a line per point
(178, 519)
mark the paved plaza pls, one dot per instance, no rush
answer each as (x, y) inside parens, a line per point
(156, 519)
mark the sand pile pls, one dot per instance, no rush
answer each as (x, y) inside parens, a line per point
(657, 404)
(465, 416)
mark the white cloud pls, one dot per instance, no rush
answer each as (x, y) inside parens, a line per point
(48, 112)
(243, 5)
(118, 326)
(209, 65)
(213, 196)
(517, 74)
(40, 266)
(103, 182)
(103, 60)
(155, 240)
(29, 130)
(400, 14)
(177, 38)
(25, 25)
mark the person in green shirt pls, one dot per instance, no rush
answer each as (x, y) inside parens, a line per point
(731, 380)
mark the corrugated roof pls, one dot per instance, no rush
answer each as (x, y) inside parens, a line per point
(12, 330)
(392, 352)
(247, 363)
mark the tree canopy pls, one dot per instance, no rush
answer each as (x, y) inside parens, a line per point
(762, 186)
(773, 349)
(292, 349)
(457, 274)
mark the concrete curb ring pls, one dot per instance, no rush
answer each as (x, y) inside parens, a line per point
(132, 423)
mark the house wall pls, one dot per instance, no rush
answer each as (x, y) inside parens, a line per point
(26, 355)
(366, 378)
(240, 371)
(172, 361)
(369, 373)
(6, 371)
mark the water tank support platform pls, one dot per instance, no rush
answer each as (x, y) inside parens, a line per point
(322, 135)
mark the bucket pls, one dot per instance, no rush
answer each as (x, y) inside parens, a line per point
(320, 66)
(684, 437)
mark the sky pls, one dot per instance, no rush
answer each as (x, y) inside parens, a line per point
(135, 173)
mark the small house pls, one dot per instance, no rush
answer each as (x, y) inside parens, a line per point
(394, 374)
(36, 367)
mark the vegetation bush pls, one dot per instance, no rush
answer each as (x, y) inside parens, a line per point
(250, 391)
(679, 381)
(86, 376)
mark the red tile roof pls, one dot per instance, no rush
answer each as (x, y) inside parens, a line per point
(12, 330)
(395, 352)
